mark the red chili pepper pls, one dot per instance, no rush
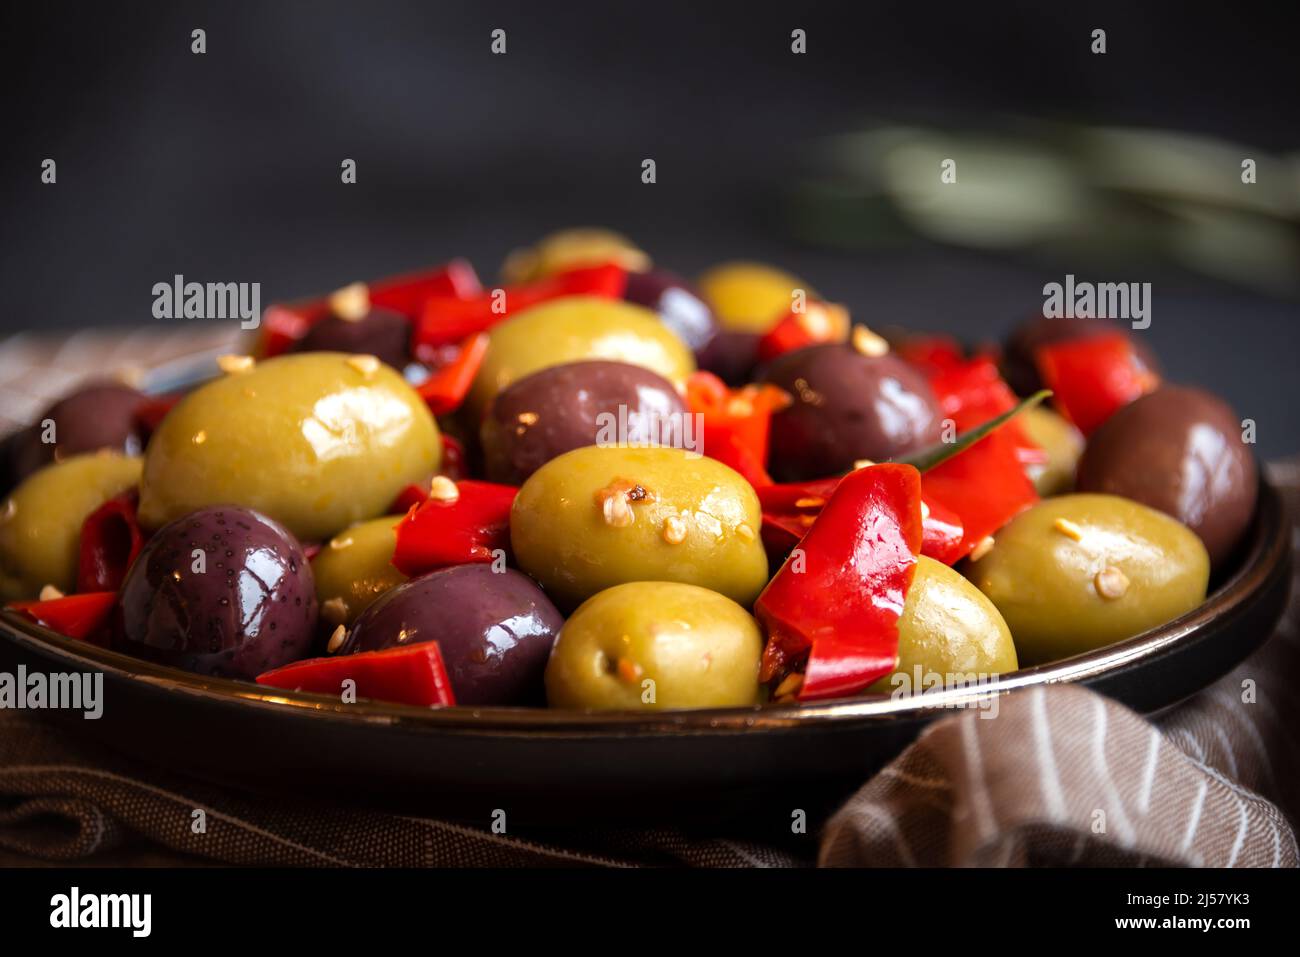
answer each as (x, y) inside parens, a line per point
(148, 415)
(442, 532)
(789, 511)
(83, 617)
(840, 596)
(1093, 378)
(818, 322)
(931, 354)
(446, 388)
(447, 319)
(736, 422)
(412, 674)
(407, 294)
(283, 324)
(985, 486)
(110, 540)
(972, 392)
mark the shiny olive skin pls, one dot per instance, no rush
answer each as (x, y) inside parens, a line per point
(355, 567)
(40, 522)
(1062, 443)
(316, 441)
(1047, 587)
(949, 631)
(246, 606)
(573, 329)
(1180, 451)
(679, 305)
(563, 536)
(652, 646)
(847, 406)
(98, 415)
(574, 248)
(565, 407)
(731, 356)
(748, 296)
(1019, 366)
(382, 333)
(494, 629)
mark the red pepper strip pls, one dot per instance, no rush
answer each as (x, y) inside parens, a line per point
(407, 294)
(840, 598)
(736, 422)
(942, 530)
(83, 617)
(148, 415)
(446, 388)
(283, 324)
(819, 322)
(972, 392)
(110, 540)
(931, 354)
(453, 459)
(411, 674)
(447, 319)
(441, 532)
(986, 486)
(1091, 379)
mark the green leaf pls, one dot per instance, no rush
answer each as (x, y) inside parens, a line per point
(928, 458)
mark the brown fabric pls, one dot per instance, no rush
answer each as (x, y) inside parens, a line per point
(1062, 776)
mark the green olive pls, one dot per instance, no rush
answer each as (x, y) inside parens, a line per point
(948, 632)
(1063, 444)
(655, 645)
(316, 441)
(40, 524)
(573, 329)
(600, 516)
(748, 296)
(1079, 572)
(355, 568)
(573, 249)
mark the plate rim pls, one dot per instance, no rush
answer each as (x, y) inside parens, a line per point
(1266, 556)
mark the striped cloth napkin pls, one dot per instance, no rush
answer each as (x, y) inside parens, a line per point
(1063, 777)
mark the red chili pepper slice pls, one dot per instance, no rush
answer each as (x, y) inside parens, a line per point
(149, 414)
(442, 532)
(818, 322)
(839, 598)
(446, 388)
(408, 293)
(972, 392)
(985, 486)
(1093, 378)
(736, 422)
(283, 324)
(110, 540)
(412, 674)
(447, 319)
(932, 355)
(83, 617)
(942, 532)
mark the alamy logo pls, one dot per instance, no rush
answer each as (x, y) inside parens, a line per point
(1103, 300)
(179, 299)
(36, 691)
(75, 909)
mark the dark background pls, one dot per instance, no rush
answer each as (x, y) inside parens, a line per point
(226, 166)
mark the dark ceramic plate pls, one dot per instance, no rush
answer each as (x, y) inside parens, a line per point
(552, 766)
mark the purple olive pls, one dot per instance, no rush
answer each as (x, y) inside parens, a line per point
(1178, 450)
(731, 356)
(97, 416)
(847, 406)
(222, 591)
(679, 304)
(382, 333)
(566, 407)
(494, 629)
